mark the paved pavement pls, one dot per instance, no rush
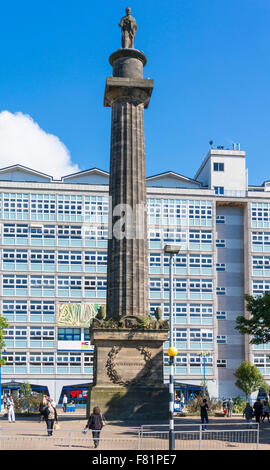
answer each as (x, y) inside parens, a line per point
(29, 433)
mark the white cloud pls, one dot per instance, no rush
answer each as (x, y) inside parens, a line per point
(23, 141)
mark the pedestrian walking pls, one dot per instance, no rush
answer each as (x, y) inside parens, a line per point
(258, 410)
(64, 403)
(182, 402)
(266, 410)
(204, 413)
(248, 414)
(95, 422)
(5, 401)
(230, 407)
(50, 417)
(10, 409)
(177, 405)
(42, 406)
(225, 407)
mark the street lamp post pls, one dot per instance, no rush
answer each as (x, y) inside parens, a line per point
(172, 351)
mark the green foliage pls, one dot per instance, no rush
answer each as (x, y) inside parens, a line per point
(193, 406)
(249, 378)
(238, 404)
(145, 322)
(258, 325)
(28, 400)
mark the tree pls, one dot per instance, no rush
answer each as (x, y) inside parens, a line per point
(249, 378)
(28, 399)
(258, 325)
(3, 326)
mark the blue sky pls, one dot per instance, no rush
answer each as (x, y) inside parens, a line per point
(209, 60)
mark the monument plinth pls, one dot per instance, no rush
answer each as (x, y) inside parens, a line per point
(128, 363)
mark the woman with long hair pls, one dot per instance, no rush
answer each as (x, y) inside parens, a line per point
(96, 423)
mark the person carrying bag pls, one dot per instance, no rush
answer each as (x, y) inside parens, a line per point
(95, 422)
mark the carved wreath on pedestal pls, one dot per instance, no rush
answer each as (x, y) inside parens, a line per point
(116, 378)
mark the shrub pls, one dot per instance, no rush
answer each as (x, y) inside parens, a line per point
(193, 406)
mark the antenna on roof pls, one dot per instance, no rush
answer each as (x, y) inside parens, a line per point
(211, 143)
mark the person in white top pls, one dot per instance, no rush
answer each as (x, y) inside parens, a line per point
(64, 403)
(10, 409)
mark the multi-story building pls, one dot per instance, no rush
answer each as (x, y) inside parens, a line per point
(53, 265)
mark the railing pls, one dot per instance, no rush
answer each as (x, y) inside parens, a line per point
(148, 437)
(195, 437)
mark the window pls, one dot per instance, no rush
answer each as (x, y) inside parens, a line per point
(15, 256)
(200, 261)
(219, 190)
(69, 282)
(95, 258)
(221, 363)
(16, 205)
(96, 208)
(43, 207)
(220, 291)
(260, 287)
(174, 209)
(179, 261)
(69, 208)
(155, 285)
(154, 259)
(66, 232)
(69, 334)
(14, 307)
(218, 166)
(201, 285)
(201, 311)
(220, 266)
(174, 235)
(220, 219)
(220, 243)
(221, 315)
(15, 231)
(260, 240)
(260, 214)
(96, 233)
(95, 283)
(200, 236)
(221, 339)
(42, 307)
(261, 262)
(180, 334)
(42, 257)
(200, 211)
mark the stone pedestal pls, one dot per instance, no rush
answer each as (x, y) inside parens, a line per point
(128, 374)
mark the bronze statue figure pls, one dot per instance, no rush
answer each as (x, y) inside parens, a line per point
(129, 27)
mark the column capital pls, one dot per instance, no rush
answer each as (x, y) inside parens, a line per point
(128, 89)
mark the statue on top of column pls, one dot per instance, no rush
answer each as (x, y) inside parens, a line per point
(129, 27)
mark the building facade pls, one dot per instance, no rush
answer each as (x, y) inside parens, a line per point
(54, 261)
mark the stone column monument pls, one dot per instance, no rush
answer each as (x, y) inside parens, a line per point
(128, 361)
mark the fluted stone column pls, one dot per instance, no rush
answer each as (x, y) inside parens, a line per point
(127, 274)
(128, 361)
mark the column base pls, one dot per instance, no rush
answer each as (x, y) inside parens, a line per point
(130, 403)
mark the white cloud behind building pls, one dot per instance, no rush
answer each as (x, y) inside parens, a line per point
(23, 142)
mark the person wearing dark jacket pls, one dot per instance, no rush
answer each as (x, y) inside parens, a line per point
(204, 413)
(50, 415)
(96, 423)
(258, 409)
